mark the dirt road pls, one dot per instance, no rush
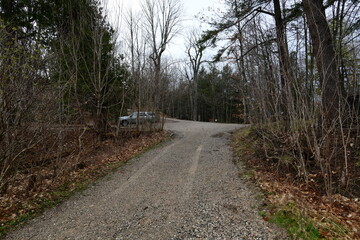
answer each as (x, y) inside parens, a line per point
(188, 188)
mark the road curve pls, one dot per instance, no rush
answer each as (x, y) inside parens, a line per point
(188, 188)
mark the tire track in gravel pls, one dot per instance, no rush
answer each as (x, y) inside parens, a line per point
(137, 174)
(188, 188)
(194, 165)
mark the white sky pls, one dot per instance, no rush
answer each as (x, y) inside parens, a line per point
(191, 8)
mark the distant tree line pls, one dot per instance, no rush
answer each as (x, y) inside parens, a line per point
(216, 99)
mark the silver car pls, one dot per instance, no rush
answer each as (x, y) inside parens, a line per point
(138, 117)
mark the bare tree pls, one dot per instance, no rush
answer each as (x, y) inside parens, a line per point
(194, 50)
(137, 47)
(162, 19)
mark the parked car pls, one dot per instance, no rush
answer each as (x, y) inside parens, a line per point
(138, 117)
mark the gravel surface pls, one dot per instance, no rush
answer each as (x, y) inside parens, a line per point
(188, 188)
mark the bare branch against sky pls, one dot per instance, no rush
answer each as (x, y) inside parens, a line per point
(176, 49)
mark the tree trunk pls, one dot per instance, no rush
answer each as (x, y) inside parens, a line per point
(195, 101)
(325, 58)
(285, 69)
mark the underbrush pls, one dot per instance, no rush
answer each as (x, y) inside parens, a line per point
(48, 176)
(294, 201)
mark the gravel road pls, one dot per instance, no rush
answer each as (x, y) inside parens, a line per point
(188, 188)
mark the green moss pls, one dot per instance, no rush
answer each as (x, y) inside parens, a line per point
(262, 214)
(299, 226)
(296, 225)
(21, 218)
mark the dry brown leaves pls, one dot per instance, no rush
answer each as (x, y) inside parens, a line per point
(28, 190)
(284, 188)
(323, 210)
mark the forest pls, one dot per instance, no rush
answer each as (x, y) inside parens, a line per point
(297, 78)
(291, 69)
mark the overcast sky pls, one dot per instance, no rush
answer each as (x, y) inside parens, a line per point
(191, 8)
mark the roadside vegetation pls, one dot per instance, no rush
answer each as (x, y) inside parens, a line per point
(33, 189)
(301, 207)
